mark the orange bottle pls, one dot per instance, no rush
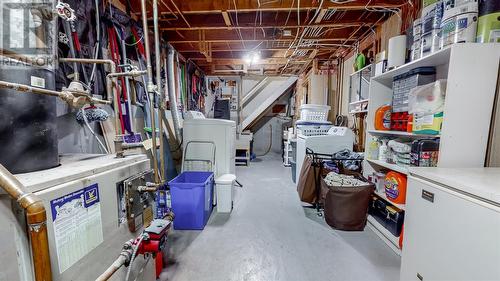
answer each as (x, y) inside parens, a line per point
(395, 187)
(383, 118)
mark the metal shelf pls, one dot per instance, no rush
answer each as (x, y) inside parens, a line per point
(359, 101)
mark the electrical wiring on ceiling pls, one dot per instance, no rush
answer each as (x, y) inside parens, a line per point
(237, 24)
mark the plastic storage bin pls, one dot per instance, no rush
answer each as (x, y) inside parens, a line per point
(314, 112)
(389, 216)
(192, 194)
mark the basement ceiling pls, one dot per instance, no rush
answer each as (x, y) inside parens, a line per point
(288, 34)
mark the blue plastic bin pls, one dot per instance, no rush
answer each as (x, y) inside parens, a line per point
(191, 195)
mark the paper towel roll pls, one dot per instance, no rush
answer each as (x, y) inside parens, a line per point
(397, 51)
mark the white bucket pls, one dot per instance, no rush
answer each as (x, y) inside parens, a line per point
(459, 24)
(224, 192)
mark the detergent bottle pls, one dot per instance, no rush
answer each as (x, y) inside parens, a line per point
(383, 118)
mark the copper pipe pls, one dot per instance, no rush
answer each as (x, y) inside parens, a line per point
(110, 86)
(67, 95)
(37, 223)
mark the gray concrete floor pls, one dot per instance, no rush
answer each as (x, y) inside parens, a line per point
(269, 236)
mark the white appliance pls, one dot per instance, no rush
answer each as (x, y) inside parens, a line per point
(220, 132)
(336, 139)
(452, 225)
(85, 236)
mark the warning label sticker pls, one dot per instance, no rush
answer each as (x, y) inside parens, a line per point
(76, 218)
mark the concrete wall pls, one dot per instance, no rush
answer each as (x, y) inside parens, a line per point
(347, 71)
(262, 137)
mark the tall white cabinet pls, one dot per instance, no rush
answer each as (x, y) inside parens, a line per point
(471, 70)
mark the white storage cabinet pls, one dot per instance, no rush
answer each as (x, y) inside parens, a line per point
(451, 233)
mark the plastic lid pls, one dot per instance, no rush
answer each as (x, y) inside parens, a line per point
(225, 179)
(424, 70)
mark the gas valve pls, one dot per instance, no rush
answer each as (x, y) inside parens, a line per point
(153, 242)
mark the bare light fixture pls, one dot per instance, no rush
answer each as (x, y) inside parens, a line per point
(252, 58)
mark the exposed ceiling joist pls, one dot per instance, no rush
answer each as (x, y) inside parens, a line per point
(217, 6)
(262, 40)
(227, 19)
(294, 26)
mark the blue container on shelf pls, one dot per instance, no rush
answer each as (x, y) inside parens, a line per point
(191, 195)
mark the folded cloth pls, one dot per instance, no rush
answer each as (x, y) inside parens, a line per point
(349, 164)
(399, 147)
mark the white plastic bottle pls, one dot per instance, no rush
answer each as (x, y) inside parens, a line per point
(382, 152)
(373, 149)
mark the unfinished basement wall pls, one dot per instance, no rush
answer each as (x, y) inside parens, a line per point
(344, 96)
(318, 89)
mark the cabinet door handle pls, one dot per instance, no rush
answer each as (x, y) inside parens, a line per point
(427, 195)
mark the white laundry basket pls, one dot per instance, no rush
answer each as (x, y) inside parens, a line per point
(314, 112)
(224, 189)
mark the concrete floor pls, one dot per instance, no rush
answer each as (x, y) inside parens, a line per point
(269, 236)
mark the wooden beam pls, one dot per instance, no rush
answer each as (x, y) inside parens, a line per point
(263, 40)
(315, 51)
(320, 15)
(226, 17)
(216, 6)
(272, 61)
(294, 26)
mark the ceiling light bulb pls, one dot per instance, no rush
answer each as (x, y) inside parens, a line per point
(255, 58)
(247, 59)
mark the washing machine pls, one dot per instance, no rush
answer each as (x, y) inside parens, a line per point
(334, 140)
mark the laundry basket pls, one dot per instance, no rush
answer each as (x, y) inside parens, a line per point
(346, 207)
(314, 112)
(191, 195)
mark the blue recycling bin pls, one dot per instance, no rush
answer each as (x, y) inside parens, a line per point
(191, 196)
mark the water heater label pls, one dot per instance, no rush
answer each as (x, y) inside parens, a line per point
(76, 218)
(37, 82)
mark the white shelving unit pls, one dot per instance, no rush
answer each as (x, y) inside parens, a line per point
(391, 240)
(394, 167)
(472, 72)
(400, 133)
(382, 194)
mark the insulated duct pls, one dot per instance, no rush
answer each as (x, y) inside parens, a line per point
(171, 92)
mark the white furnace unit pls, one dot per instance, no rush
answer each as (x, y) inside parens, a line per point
(335, 140)
(87, 199)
